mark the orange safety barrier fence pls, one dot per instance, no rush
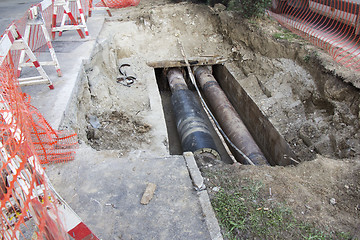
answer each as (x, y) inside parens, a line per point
(333, 25)
(118, 3)
(28, 207)
(51, 146)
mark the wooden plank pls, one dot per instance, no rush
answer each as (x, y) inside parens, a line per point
(193, 62)
(148, 194)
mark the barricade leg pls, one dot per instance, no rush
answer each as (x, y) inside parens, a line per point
(53, 25)
(22, 54)
(63, 21)
(73, 21)
(107, 8)
(52, 51)
(38, 67)
(92, 8)
(82, 17)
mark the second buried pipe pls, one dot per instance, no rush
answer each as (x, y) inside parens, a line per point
(228, 118)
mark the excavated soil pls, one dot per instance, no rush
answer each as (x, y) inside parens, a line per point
(312, 101)
(314, 109)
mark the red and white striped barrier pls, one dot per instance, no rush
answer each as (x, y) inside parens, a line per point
(35, 19)
(92, 8)
(82, 17)
(12, 40)
(72, 223)
(67, 13)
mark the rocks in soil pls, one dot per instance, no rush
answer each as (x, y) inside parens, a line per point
(218, 7)
(118, 131)
(292, 94)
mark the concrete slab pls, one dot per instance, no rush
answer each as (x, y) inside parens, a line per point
(11, 10)
(106, 190)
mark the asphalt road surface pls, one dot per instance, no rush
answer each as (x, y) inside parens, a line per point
(11, 10)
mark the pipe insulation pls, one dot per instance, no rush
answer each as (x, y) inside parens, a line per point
(228, 118)
(191, 124)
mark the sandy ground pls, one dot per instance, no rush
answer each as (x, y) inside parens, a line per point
(307, 97)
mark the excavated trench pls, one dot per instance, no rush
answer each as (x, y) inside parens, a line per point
(294, 108)
(269, 140)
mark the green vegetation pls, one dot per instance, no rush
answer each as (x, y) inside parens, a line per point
(307, 58)
(244, 213)
(313, 54)
(248, 8)
(285, 35)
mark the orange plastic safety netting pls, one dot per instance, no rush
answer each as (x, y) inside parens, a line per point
(51, 146)
(28, 207)
(333, 25)
(118, 3)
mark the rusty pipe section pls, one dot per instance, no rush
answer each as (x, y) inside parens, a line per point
(191, 124)
(176, 80)
(228, 118)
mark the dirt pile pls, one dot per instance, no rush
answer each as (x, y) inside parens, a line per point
(323, 191)
(313, 108)
(116, 130)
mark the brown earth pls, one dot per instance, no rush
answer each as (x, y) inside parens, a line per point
(324, 192)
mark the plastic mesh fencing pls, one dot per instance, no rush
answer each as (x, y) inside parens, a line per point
(28, 207)
(119, 3)
(333, 25)
(51, 146)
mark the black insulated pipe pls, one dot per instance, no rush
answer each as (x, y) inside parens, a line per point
(229, 119)
(190, 122)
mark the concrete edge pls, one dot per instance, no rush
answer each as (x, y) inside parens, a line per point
(96, 47)
(211, 221)
(74, 93)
